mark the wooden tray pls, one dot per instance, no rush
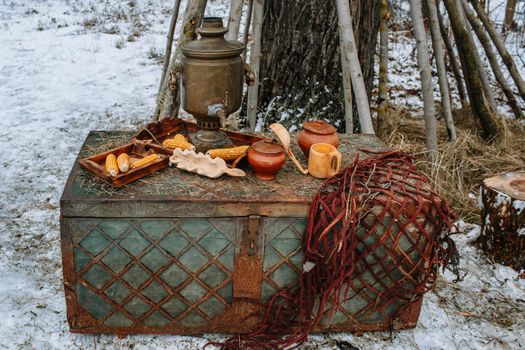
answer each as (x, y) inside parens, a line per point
(136, 150)
(168, 127)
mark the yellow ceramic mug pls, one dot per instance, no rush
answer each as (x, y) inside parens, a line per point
(324, 160)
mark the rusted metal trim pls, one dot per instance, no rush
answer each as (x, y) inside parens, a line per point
(69, 274)
(176, 209)
(253, 234)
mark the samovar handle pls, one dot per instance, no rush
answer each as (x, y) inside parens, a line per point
(175, 75)
(249, 74)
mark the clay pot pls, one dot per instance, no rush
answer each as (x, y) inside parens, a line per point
(317, 131)
(266, 158)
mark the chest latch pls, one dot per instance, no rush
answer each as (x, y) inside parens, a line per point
(253, 234)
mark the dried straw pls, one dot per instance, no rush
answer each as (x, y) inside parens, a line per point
(461, 166)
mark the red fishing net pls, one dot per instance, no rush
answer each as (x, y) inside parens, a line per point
(378, 231)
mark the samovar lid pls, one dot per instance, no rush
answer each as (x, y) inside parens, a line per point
(212, 43)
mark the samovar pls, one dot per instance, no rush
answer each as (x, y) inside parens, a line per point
(211, 74)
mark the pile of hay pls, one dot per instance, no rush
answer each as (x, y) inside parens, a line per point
(461, 166)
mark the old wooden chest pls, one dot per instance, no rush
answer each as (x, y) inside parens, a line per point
(179, 253)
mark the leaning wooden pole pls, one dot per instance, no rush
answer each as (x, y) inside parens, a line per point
(234, 19)
(489, 123)
(487, 88)
(347, 90)
(437, 43)
(452, 58)
(168, 100)
(491, 55)
(510, 10)
(247, 25)
(255, 63)
(423, 60)
(350, 52)
(382, 98)
(169, 44)
(500, 46)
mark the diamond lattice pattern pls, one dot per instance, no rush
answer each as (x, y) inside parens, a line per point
(282, 254)
(155, 272)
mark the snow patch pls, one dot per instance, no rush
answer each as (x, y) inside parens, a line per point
(519, 205)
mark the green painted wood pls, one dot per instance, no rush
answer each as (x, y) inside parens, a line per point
(282, 265)
(156, 271)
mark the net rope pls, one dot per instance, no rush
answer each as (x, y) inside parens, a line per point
(377, 229)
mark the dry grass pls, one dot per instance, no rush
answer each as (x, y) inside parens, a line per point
(461, 166)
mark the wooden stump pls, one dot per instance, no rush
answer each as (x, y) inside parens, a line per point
(503, 219)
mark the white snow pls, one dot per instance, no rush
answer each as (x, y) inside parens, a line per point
(519, 205)
(70, 66)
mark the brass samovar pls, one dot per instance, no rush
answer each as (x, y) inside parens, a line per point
(211, 74)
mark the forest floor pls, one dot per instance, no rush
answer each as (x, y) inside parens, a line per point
(70, 66)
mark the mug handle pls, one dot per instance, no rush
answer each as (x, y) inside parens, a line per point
(336, 166)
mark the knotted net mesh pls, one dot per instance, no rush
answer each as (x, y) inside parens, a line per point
(377, 234)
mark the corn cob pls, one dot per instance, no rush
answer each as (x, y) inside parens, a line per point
(144, 161)
(123, 162)
(111, 165)
(228, 153)
(179, 141)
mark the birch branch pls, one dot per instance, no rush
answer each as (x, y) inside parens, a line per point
(347, 90)
(234, 19)
(453, 62)
(490, 124)
(491, 55)
(382, 97)
(247, 28)
(168, 101)
(426, 76)
(255, 63)
(487, 89)
(350, 53)
(500, 46)
(169, 44)
(437, 43)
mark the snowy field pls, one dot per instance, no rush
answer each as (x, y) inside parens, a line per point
(70, 66)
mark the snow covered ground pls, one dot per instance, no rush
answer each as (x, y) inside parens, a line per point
(70, 66)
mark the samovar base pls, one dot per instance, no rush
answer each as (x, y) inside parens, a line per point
(205, 140)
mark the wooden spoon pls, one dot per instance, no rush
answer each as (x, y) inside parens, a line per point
(284, 136)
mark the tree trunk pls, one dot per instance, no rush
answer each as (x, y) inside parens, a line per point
(423, 61)
(234, 19)
(437, 44)
(503, 219)
(247, 26)
(500, 46)
(169, 44)
(466, 48)
(483, 76)
(347, 91)
(510, 10)
(491, 55)
(452, 59)
(300, 64)
(382, 99)
(255, 59)
(351, 61)
(168, 101)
